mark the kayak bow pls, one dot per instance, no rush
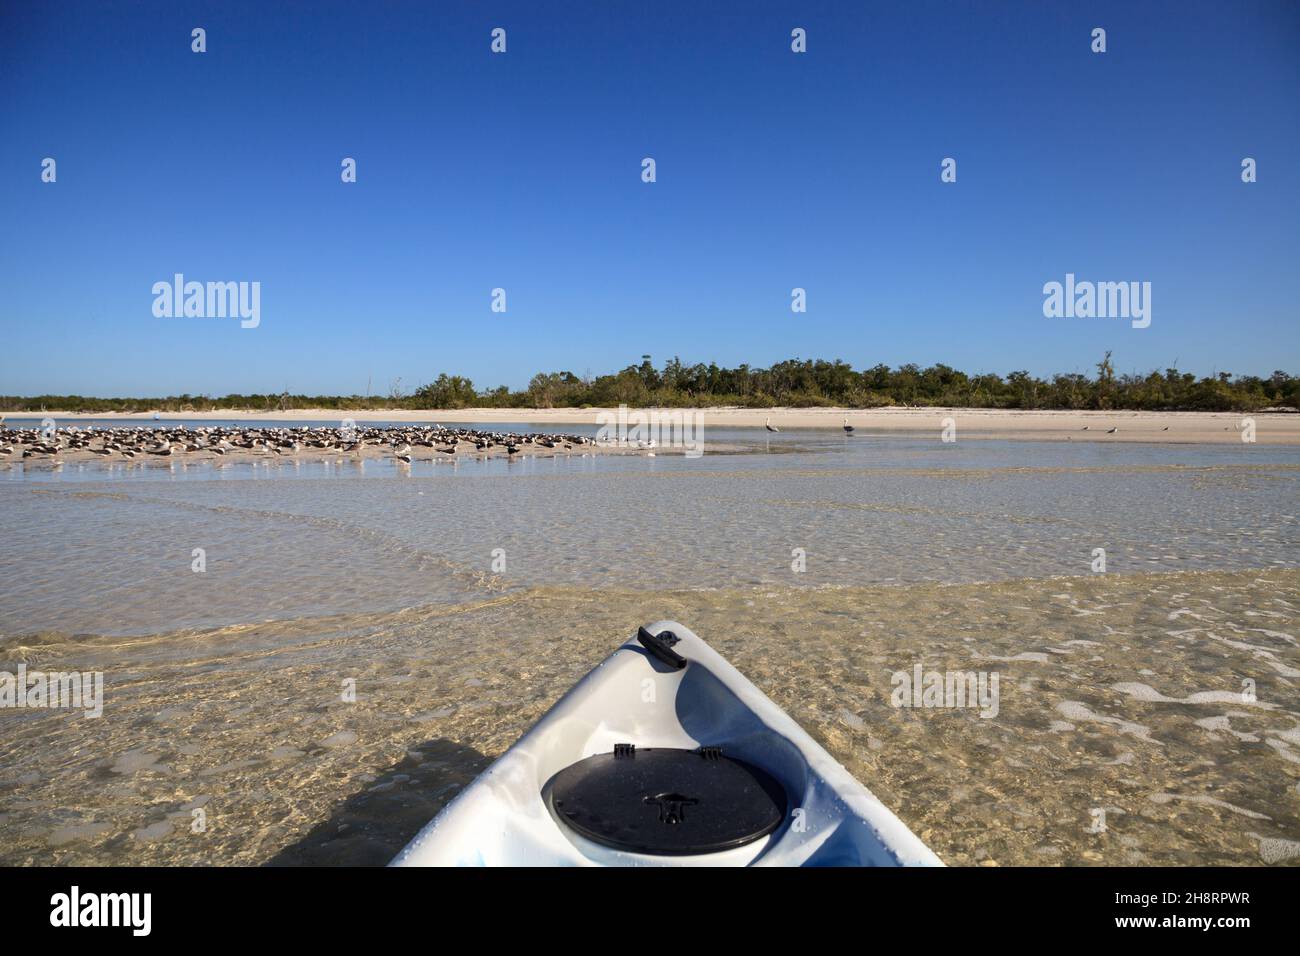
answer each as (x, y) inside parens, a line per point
(666, 755)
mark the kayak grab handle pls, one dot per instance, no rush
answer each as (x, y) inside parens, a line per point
(660, 648)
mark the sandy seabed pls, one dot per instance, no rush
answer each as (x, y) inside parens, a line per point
(1124, 733)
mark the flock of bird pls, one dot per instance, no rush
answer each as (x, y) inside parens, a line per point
(400, 442)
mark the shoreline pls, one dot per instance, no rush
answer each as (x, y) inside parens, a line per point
(1271, 428)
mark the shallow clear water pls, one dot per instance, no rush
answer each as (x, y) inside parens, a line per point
(1120, 694)
(109, 549)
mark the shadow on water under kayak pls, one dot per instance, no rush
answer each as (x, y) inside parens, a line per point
(371, 826)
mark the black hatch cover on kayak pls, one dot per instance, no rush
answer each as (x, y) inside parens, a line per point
(666, 801)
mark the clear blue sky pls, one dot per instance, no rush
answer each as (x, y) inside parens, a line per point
(522, 171)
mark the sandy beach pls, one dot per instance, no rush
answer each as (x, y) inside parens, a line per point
(1271, 428)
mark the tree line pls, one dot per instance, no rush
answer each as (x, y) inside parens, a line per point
(795, 382)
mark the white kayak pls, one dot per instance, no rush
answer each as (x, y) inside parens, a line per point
(665, 755)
